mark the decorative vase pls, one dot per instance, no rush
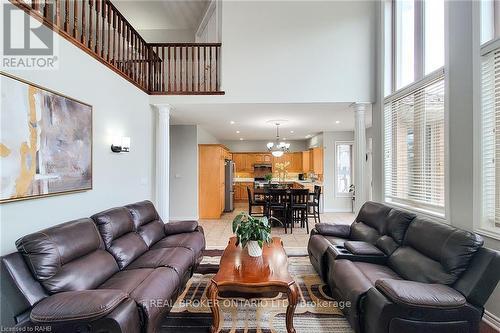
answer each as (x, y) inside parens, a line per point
(254, 249)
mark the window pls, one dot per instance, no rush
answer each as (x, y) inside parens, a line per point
(344, 167)
(414, 140)
(414, 41)
(490, 117)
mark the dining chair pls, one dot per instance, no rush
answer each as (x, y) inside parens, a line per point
(277, 206)
(298, 207)
(252, 202)
(313, 204)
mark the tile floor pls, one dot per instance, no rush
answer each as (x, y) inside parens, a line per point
(217, 232)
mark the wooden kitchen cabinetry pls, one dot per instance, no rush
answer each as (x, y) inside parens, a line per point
(305, 161)
(316, 160)
(211, 182)
(240, 191)
(295, 160)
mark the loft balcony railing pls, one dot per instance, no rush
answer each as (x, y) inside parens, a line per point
(99, 29)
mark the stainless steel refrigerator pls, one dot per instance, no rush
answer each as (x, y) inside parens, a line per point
(228, 189)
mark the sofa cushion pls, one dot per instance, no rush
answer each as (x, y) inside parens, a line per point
(118, 232)
(364, 232)
(179, 259)
(77, 305)
(374, 214)
(362, 248)
(194, 241)
(398, 222)
(334, 230)
(375, 272)
(67, 257)
(419, 294)
(147, 222)
(434, 253)
(155, 295)
(179, 227)
(127, 280)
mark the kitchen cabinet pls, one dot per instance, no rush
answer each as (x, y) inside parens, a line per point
(239, 162)
(316, 160)
(249, 162)
(240, 191)
(296, 162)
(211, 183)
(305, 161)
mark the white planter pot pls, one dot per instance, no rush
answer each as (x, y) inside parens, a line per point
(254, 249)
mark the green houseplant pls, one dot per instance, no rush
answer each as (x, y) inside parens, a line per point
(252, 232)
(269, 177)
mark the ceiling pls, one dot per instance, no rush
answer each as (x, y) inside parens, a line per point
(252, 119)
(163, 14)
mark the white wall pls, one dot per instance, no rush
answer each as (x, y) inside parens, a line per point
(294, 51)
(118, 108)
(168, 35)
(183, 172)
(260, 145)
(206, 137)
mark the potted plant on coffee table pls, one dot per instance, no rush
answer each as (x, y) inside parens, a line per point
(252, 233)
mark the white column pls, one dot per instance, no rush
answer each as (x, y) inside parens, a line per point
(163, 161)
(359, 154)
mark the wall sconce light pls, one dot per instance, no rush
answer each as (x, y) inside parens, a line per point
(120, 145)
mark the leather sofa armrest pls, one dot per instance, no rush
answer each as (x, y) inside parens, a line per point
(87, 305)
(363, 248)
(335, 230)
(417, 294)
(179, 227)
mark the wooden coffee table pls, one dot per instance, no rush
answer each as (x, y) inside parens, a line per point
(243, 276)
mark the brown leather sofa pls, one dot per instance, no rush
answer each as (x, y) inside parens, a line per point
(118, 271)
(403, 273)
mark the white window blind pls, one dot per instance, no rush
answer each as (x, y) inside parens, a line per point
(490, 141)
(414, 143)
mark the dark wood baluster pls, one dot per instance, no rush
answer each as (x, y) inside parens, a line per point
(108, 14)
(35, 4)
(205, 68)
(175, 68)
(162, 68)
(186, 68)
(83, 39)
(75, 19)
(199, 64)
(113, 54)
(97, 9)
(192, 69)
(210, 69)
(66, 16)
(46, 9)
(216, 68)
(134, 70)
(127, 50)
(169, 81)
(122, 41)
(103, 31)
(57, 4)
(181, 67)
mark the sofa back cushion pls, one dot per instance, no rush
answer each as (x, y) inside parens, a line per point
(370, 223)
(394, 233)
(68, 257)
(147, 222)
(116, 227)
(434, 253)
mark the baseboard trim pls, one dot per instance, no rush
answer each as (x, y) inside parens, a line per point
(492, 320)
(183, 218)
(337, 210)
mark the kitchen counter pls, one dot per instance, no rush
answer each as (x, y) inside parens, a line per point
(243, 180)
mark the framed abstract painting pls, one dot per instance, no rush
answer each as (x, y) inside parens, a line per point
(45, 142)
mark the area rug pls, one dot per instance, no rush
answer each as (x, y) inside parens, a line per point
(316, 310)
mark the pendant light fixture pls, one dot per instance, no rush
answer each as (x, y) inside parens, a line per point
(278, 148)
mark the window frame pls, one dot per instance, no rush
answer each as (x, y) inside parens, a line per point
(481, 50)
(390, 6)
(389, 63)
(338, 143)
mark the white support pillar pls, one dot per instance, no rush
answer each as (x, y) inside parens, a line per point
(359, 154)
(163, 161)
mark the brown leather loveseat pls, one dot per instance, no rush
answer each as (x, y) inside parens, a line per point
(118, 271)
(403, 273)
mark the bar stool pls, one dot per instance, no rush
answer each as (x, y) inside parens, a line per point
(255, 203)
(313, 204)
(298, 207)
(277, 206)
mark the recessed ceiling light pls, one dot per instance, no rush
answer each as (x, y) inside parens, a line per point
(232, 122)
(241, 139)
(337, 121)
(237, 132)
(292, 132)
(284, 139)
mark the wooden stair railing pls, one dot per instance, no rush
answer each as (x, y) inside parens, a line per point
(99, 29)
